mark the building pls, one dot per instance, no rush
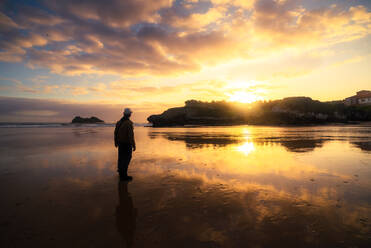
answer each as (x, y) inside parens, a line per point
(363, 97)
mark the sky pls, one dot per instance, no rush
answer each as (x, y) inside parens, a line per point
(64, 58)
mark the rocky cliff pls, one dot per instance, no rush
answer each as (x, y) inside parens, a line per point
(290, 111)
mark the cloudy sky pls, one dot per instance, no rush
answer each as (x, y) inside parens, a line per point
(92, 57)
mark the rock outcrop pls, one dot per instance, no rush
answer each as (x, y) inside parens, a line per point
(197, 113)
(90, 120)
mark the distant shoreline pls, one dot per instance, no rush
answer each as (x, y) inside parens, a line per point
(292, 111)
(366, 123)
(65, 124)
(58, 124)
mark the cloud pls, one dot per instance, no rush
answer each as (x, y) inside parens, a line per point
(246, 4)
(165, 37)
(17, 85)
(188, 21)
(286, 23)
(6, 23)
(355, 59)
(32, 16)
(115, 13)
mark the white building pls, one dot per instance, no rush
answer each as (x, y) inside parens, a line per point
(363, 97)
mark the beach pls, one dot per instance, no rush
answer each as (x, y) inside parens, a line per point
(239, 186)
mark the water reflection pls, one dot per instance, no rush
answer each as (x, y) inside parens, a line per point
(296, 145)
(363, 145)
(199, 140)
(126, 214)
(186, 211)
(246, 147)
(303, 139)
(198, 187)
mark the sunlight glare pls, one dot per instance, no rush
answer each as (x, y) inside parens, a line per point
(244, 97)
(246, 148)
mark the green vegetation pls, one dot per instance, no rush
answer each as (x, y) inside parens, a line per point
(288, 111)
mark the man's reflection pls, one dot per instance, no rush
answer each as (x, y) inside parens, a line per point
(126, 214)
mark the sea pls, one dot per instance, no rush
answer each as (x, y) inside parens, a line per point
(201, 186)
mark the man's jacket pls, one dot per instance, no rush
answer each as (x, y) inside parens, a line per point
(124, 132)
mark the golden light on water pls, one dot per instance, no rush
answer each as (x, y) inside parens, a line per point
(246, 148)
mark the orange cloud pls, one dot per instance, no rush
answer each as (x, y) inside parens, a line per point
(166, 38)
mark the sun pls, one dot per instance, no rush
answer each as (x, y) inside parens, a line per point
(243, 97)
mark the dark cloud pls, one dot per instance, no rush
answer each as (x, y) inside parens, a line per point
(29, 16)
(115, 13)
(278, 16)
(152, 33)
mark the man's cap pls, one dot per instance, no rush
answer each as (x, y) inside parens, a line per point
(127, 111)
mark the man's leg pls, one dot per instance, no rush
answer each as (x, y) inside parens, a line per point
(125, 157)
(120, 160)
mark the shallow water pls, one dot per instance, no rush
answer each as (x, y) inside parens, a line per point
(243, 186)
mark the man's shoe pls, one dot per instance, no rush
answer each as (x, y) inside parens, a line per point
(126, 178)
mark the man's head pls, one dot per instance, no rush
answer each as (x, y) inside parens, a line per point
(127, 112)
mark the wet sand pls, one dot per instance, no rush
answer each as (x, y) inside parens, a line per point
(193, 187)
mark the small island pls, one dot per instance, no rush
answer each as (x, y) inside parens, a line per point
(82, 120)
(287, 111)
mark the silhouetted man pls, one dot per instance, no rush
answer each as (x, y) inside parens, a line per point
(124, 140)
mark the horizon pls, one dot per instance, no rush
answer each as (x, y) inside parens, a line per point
(115, 111)
(93, 58)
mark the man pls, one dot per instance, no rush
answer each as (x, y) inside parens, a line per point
(124, 140)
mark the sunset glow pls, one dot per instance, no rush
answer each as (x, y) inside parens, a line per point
(101, 56)
(244, 97)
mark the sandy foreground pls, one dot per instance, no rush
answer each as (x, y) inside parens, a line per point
(193, 187)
